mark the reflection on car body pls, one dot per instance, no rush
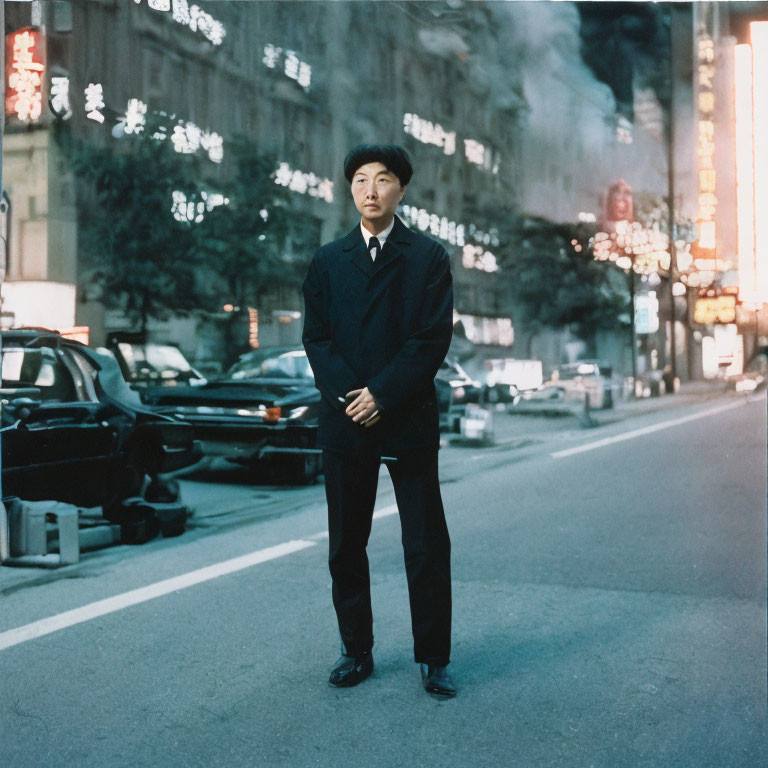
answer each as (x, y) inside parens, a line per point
(74, 431)
(153, 364)
(264, 407)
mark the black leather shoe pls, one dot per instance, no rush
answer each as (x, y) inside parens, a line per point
(351, 670)
(437, 680)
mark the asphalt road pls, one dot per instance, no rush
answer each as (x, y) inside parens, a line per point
(609, 600)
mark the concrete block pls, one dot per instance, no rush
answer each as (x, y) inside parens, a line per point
(28, 534)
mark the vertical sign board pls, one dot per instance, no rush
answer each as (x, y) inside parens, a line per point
(646, 313)
(24, 71)
(759, 39)
(745, 177)
(705, 254)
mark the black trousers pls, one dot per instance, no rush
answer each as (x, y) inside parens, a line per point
(350, 486)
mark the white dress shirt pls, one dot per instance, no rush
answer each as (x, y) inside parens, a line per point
(382, 236)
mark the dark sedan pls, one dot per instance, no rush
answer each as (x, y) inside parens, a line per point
(264, 410)
(74, 431)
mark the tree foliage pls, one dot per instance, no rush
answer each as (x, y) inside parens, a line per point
(556, 286)
(129, 243)
(150, 264)
(249, 243)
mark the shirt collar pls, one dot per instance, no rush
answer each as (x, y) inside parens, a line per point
(382, 236)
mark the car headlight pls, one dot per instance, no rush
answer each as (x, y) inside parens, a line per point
(297, 413)
(459, 392)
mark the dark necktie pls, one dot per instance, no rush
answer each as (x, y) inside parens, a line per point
(374, 247)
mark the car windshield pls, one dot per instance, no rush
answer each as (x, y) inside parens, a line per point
(154, 357)
(289, 365)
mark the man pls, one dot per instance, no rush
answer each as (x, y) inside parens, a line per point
(378, 324)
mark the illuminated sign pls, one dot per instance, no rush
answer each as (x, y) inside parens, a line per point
(646, 313)
(253, 328)
(476, 257)
(717, 309)
(24, 62)
(619, 205)
(193, 210)
(94, 102)
(750, 94)
(705, 108)
(59, 100)
(304, 183)
(191, 16)
(429, 133)
(187, 138)
(478, 154)
(473, 255)
(293, 67)
(633, 246)
(135, 118)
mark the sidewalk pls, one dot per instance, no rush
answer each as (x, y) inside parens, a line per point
(511, 425)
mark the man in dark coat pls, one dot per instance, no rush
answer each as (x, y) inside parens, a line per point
(378, 324)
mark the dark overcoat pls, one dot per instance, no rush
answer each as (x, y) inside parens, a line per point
(386, 325)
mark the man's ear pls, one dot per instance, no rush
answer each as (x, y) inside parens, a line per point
(402, 190)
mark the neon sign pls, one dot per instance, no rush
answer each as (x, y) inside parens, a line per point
(191, 16)
(707, 175)
(429, 133)
(293, 67)
(304, 183)
(94, 102)
(24, 51)
(59, 99)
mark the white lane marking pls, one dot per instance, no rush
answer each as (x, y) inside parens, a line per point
(644, 431)
(118, 602)
(384, 512)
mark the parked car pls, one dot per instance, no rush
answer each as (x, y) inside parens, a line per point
(74, 431)
(151, 363)
(455, 390)
(591, 377)
(504, 379)
(754, 376)
(264, 409)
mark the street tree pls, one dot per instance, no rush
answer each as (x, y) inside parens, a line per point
(558, 285)
(255, 244)
(130, 245)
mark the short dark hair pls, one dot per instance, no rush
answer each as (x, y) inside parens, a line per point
(392, 156)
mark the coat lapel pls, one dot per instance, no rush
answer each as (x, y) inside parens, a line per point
(354, 245)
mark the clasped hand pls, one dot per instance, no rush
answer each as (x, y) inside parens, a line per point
(363, 409)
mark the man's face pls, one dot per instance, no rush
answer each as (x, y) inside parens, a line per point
(377, 193)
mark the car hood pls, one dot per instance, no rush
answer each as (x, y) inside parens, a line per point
(266, 392)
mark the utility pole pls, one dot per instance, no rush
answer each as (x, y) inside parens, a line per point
(4, 545)
(670, 137)
(632, 329)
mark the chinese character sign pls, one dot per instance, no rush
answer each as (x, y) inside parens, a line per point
(59, 100)
(24, 65)
(705, 102)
